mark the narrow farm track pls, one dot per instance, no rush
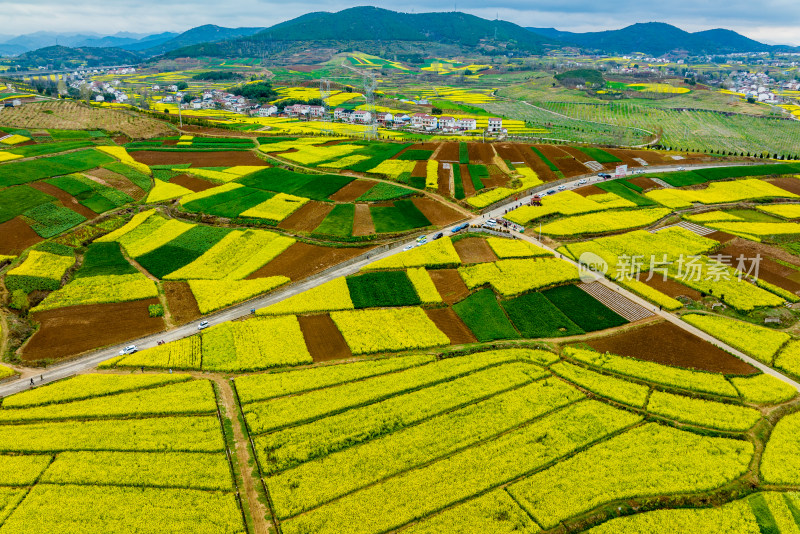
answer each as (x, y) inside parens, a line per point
(257, 510)
(616, 302)
(92, 359)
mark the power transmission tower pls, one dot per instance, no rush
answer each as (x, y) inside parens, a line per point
(324, 90)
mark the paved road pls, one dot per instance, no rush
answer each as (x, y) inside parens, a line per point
(90, 360)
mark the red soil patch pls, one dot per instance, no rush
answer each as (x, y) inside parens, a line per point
(117, 181)
(192, 183)
(302, 260)
(670, 287)
(517, 153)
(121, 139)
(198, 159)
(420, 169)
(474, 250)
(16, 236)
(448, 152)
(323, 339)
(568, 165)
(722, 237)
(308, 217)
(437, 213)
(443, 180)
(644, 183)
(768, 269)
(181, 302)
(587, 190)
(653, 158)
(76, 329)
(787, 184)
(577, 154)
(450, 285)
(625, 156)
(302, 68)
(65, 198)
(466, 179)
(362, 222)
(353, 190)
(667, 344)
(453, 327)
(480, 153)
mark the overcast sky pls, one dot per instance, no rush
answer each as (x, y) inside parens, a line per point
(772, 21)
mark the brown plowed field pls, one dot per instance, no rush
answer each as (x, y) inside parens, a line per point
(625, 156)
(449, 284)
(443, 180)
(524, 153)
(453, 327)
(353, 190)
(474, 250)
(788, 184)
(192, 183)
(480, 153)
(587, 190)
(644, 183)
(438, 213)
(448, 152)
(323, 339)
(466, 179)
(670, 287)
(362, 222)
(577, 154)
(722, 237)
(668, 344)
(197, 159)
(182, 304)
(568, 165)
(420, 169)
(65, 198)
(117, 181)
(308, 217)
(302, 260)
(768, 269)
(653, 158)
(16, 236)
(75, 329)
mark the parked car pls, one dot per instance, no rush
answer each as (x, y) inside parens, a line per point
(438, 236)
(551, 192)
(422, 239)
(491, 223)
(459, 228)
(604, 176)
(203, 324)
(681, 168)
(130, 349)
(409, 246)
(562, 187)
(582, 182)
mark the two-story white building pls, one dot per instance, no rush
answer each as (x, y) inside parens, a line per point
(466, 124)
(447, 123)
(362, 116)
(495, 124)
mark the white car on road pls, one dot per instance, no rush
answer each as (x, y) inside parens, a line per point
(203, 324)
(582, 182)
(409, 247)
(130, 349)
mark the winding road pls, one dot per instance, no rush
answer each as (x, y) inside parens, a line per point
(92, 359)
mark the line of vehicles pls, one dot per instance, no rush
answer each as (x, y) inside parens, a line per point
(130, 349)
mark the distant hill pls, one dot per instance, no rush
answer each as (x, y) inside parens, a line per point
(384, 26)
(657, 38)
(201, 34)
(150, 41)
(11, 50)
(63, 55)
